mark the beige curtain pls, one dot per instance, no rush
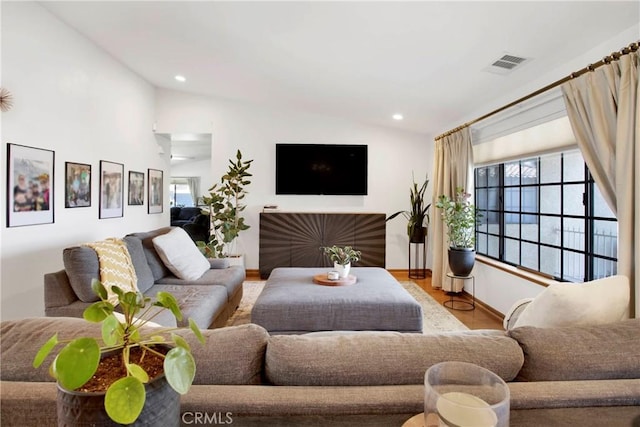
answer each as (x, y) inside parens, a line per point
(453, 167)
(603, 107)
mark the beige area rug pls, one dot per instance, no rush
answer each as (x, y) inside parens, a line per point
(435, 317)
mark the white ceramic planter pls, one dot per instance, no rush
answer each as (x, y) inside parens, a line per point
(343, 270)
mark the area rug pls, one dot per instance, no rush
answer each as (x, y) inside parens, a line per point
(435, 317)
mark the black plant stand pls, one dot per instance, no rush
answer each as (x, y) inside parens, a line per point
(417, 260)
(467, 306)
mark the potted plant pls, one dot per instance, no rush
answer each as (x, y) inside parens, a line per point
(225, 204)
(113, 381)
(460, 217)
(418, 215)
(342, 257)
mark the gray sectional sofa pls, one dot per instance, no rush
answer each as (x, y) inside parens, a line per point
(209, 300)
(571, 376)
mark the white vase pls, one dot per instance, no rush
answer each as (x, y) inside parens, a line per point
(343, 270)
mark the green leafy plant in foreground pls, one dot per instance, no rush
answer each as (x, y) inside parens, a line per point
(78, 360)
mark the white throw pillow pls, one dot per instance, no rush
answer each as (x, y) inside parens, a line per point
(573, 304)
(181, 255)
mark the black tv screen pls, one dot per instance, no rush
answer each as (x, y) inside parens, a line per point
(321, 169)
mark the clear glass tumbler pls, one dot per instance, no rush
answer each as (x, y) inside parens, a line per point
(460, 394)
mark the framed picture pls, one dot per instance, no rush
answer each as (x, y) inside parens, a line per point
(29, 185)
(155, 190)
(77, 185)
(136, 188)
(111, 189)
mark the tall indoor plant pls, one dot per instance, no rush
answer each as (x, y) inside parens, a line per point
(116, 376)
(460, 217)
(225, 206)
(418, 214)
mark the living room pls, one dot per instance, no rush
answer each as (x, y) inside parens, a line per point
(72, 97)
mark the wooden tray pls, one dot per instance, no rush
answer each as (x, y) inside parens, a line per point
(321, 279)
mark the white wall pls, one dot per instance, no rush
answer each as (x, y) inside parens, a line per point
(73, 98)
(393, 155)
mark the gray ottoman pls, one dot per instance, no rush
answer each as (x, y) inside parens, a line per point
(291, 303)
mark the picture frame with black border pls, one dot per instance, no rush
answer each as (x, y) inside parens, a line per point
(111, 190)
(77, 185)
(30, 193)
(136, 188)
(155, 191)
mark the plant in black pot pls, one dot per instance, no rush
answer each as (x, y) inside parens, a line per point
(131, 375)
(460, 217)
(418, 216)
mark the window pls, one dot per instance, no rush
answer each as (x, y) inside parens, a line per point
(547, 215)
(180, 195)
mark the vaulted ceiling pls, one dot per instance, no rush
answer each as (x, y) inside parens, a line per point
(363, 61)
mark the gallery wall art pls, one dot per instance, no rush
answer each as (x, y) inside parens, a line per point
(29, 185)
(77, 185)
(155, 190)
(111, 189)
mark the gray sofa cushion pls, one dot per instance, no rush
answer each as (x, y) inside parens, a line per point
(21, 340)
(580, 352)
(382, 358)
(233, 355)
(158, 269)
(139, 260)
(202, 303)
(230, 278)
(82, 266)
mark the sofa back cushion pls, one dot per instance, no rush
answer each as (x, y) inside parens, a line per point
(233, 355)
(597, 352)
(21, 340)
(382, 358)
(158, 269)
(82, 266)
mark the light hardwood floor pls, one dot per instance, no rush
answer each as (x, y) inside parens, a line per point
(480, 318)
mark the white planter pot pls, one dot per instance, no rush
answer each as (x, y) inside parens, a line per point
(343, 270)
(236, 260)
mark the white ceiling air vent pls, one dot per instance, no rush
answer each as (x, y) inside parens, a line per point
(506, 64)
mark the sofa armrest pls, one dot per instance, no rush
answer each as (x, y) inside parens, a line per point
(219, 263)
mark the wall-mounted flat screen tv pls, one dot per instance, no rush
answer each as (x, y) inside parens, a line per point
(321, 169)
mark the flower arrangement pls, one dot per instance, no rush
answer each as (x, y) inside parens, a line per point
(342, 255)
(461, 217)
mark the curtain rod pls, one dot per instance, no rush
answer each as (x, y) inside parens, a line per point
(591, 67)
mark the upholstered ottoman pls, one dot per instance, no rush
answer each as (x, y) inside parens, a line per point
(291, 303)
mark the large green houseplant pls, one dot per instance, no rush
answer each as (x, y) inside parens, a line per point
(123, 341)
(418, 214)
(460, 216)
(225, 207)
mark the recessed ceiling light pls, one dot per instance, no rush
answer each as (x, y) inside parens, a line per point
(397, 117)
(181, 78)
